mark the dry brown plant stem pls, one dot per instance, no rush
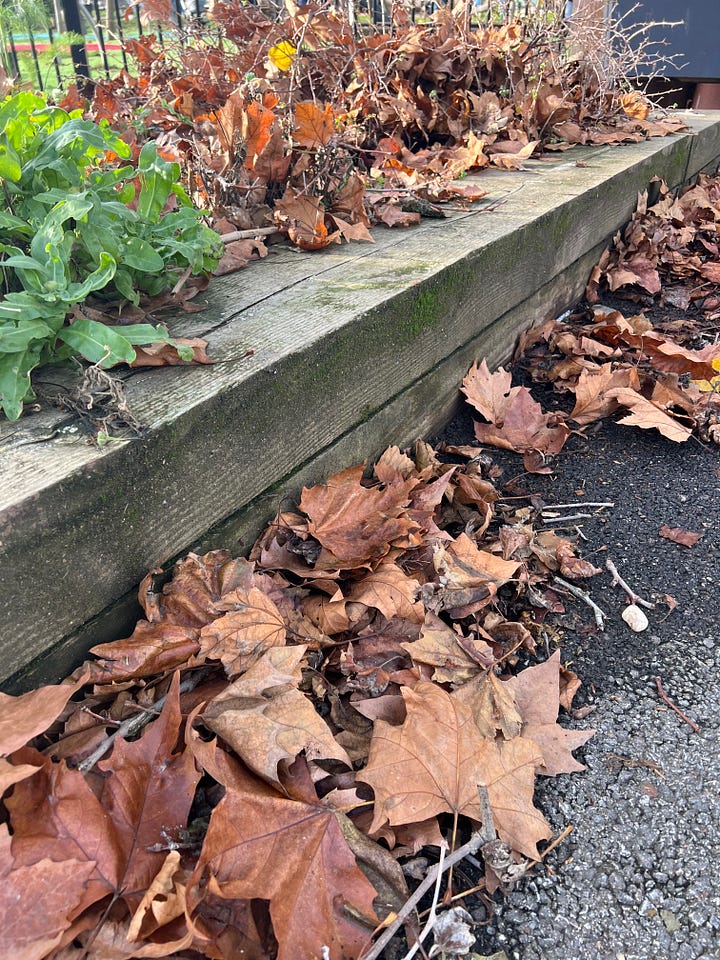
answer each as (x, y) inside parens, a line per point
(617, 581)
(677, 710)
(135, 724)
(472, 846)
(600, 616)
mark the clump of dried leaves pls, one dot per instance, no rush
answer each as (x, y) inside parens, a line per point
(304, 123)
(661, 374)
(669, 249)
(318, 714)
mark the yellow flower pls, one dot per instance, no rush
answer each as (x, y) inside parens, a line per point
(282, 55)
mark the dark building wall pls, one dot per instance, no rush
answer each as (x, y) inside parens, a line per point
(697, 40)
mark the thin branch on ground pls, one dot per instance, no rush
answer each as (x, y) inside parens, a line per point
(433, 911)
(571, 506)
(248, 234)
(134, 724)
(618, 581)
(677, 710)
(574, 516)
(600, 616)
(472, 846)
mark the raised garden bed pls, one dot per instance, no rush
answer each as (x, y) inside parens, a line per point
(352, 348)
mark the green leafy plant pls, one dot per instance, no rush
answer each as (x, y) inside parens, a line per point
(76, 222)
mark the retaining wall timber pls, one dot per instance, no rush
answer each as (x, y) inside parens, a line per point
(354, 348)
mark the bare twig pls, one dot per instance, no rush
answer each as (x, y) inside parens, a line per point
(600, 616)
(558, 839)
(677, 710)
(430, 923)
(573, 516)
(619, 582)
(571, 506)
(248, 234)
(135, 724)
(472, 846)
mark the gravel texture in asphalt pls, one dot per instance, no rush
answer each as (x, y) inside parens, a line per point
(639, 877)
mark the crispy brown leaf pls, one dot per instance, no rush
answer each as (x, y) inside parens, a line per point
(354, 522)
(24, 717)
(537, 695)
(37, 901)
(261, 844)
(266, 719)
(685, 538)
(241, 636)
(434, 762)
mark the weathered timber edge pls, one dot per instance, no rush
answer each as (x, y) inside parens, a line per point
(354, 348)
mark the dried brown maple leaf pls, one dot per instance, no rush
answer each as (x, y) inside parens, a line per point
(454, 657)
(241, 636)
(24, 717)
(646, 415)
(358, 523)
(537, 695)
(163, 901)
(314, 125)
(149, 788)
(37, 901)
(11, 773)
(591, 400)
(492, 704)
(685, 538)
(54, 814)
(390, 591)
(435, 761)
(516, 421)
(266, 719)
(153, 648)
(303, 216)
(260, 844)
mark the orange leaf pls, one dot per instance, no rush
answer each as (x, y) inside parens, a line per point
(314, 125)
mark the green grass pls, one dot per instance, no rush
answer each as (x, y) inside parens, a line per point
(46, 66)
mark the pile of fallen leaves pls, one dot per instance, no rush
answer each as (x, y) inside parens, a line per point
(314, 718)
(669, 249)
(303, 123)
(661, 374)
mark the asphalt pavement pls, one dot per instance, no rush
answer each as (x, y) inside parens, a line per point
(639, 876)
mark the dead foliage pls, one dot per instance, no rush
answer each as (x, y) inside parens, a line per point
(669, 250)
(303, 122)
(251, 769)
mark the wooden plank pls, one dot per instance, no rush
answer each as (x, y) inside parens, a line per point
(337, 338)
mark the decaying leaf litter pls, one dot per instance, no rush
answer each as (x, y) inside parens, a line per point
(302, 125)
(286, 739)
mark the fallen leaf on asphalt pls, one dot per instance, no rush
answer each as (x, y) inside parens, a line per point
(646, 415)
(537, 696)
(685, 538)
